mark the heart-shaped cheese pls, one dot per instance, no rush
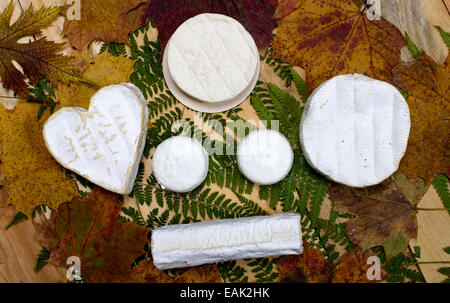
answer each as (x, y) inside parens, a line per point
(105, 143)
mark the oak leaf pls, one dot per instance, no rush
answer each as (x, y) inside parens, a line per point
(31, 176)
(37, 58)
(428, 87)
(89, 229)
(330, 38)
(310, 267)
(255, 15)
(105, 20)
(385, 214)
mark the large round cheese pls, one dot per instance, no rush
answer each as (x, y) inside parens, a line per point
(180, 164)
(265, 157)
(354, 130)
(212, 57)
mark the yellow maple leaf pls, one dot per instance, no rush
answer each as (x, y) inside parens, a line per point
(31, 176)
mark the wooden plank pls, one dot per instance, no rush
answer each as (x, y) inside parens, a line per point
(418, 18)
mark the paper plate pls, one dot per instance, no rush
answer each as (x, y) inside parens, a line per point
(206, 107)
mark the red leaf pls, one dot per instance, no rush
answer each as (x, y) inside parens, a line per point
(255, 15)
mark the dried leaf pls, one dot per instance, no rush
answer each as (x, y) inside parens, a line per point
(309, 267)
(383, 214)
(352, 268)
(146, 272)
(329, 38)
(255, 15)
(104, 70)
(428, 86)
(285, 7)
(105, 20)
(31, 175)
(37, 58)
(89, 229)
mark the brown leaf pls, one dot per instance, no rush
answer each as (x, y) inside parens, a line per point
(352, 268)
(383, 214)
(310, 267)
(31, 175)
(428, 86)
(285, 7)
(330, 38)
(37, 58)
(146, 272)
(105, 20)
(201, 274)
(255, 15)
(89, 229)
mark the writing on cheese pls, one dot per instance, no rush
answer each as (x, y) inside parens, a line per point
(354, 130)
(180, 164)
(265, 156)
(183, 245)
(212, 58)
(105, 143)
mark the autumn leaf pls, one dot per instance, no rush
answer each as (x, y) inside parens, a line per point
(105, 20)
(104, 70)
(428, 87)
(37, 58)
(31, 176)
(255, 15)
(352, 267)
(285, 7)
(383, 214)
(146, 272)
(330, 38)
(89, 229)
(310, 267)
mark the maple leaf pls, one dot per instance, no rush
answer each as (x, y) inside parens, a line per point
(385, 214)
(37, 58)
(89, 229)
(330, 38)
(255, 15)
(352, 267)
(310, 267)
(428, 87)
(146, 272)
(31, 176)
(105, 20)
(104, 70)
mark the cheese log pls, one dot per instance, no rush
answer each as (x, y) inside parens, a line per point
(212, 58)
(180, 164)
(354, 130)
(105, 143)
(265, 156)
(194, 244)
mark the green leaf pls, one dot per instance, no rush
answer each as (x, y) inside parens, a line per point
(42, 260)
(440, 184)
(19, 217)
(415, 51)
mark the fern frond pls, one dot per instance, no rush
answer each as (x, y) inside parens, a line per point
(19, 217)
(42, 259)
(440, 184)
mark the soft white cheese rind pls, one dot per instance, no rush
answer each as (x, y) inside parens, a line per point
(105, 143)
(265, 156)
(212, 58)
(215, 241)
(180, 164)
(354, 130)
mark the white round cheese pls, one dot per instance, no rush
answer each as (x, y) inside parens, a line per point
(265, 157)
(180, 164)
(354, 130)
(212, 58)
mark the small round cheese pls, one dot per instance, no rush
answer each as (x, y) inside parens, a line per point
(265, 157)
(180, 164)
(212, 58)
(354, 130)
